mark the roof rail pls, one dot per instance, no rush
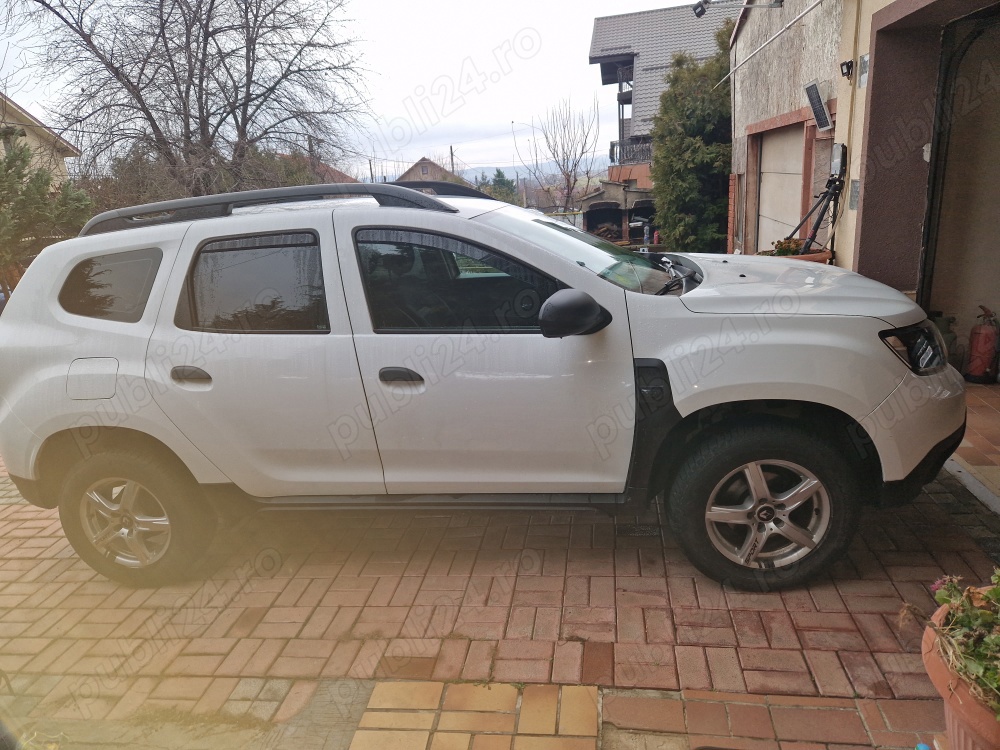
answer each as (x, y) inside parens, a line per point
(442, 187)
(212, 206)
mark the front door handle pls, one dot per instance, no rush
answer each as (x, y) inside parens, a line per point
(188, 374)
(399, 375)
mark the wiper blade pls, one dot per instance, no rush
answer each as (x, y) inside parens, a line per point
(671, 286)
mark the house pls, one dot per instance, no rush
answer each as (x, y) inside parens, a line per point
(49, 148)
(323, 172)
(912, 88)
(425, 169)
(635, 52)
(610, 209)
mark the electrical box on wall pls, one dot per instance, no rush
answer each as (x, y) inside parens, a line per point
(838, 160)
(863, 71)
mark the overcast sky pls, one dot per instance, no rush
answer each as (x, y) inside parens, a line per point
(453, 73)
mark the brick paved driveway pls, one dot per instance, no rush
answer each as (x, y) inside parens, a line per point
(505, 596)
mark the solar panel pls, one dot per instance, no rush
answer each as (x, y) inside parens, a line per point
(819, 110)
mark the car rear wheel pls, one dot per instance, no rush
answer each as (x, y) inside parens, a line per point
(764, 507)
(135, 520)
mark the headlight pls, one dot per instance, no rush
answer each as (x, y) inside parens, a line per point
(921, 347)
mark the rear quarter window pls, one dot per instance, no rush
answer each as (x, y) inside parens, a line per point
(111, 287)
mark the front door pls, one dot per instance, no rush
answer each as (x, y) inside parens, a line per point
(252, 358)
(464, 392)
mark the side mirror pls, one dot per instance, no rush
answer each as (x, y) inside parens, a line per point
(570, 312)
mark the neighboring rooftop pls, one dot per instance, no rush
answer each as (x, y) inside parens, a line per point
(649, 40)
(11, 113)
(425, 169)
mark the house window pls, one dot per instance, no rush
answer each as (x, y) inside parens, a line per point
(424, 170)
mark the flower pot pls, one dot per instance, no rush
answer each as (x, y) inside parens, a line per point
(970, 724)
(821, 257)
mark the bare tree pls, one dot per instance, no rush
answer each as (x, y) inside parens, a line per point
(561, 152)
(201, 86)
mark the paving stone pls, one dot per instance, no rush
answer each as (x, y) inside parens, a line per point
(706, 718)
(450, 741)
(406, 695)
(397, 720)
(492, 697)
(397, 740)
(475, 721)
(539, 709)
(578, 711)
(644, 713)
(818, 725)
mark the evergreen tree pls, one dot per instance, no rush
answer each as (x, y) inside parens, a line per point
(33, 213)
(499, 186)
(504, 189)
(692, 152)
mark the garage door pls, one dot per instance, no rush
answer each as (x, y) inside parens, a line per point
(780, 184)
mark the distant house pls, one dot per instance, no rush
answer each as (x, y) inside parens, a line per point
(322, 172)
(425, 169)
(635, 52)
(49, 148)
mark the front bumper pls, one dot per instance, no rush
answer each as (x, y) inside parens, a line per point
(905, 490)
(921, 415)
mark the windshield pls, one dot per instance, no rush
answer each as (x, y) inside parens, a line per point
(612, 263)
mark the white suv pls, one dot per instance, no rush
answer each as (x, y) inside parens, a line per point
(275, 348)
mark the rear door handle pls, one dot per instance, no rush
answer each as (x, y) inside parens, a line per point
(188, 374)
(399, 375)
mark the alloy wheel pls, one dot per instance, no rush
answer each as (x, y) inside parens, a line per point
(768, 514)
(125, 522)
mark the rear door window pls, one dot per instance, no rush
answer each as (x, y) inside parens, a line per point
(269, 283)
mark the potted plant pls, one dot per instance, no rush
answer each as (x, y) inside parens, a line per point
(791, 247)
(787, 246)
(961, 653)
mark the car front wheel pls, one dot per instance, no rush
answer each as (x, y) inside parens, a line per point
(764, 507)
(135, 520)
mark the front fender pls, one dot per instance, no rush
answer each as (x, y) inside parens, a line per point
(834, 361)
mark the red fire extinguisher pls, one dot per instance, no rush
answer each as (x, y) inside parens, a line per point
(983, 349)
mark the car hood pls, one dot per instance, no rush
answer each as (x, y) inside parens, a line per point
(735, 284)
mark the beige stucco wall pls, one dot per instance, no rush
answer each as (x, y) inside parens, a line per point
(771, 84)
(855, 41)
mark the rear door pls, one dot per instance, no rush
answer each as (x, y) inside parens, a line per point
(465, 393)
(253, 359)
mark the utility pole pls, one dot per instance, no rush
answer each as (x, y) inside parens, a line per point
(371, 169)
(452, 150)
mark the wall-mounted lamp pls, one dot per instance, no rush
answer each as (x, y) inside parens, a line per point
(701, 6)
(847, 68)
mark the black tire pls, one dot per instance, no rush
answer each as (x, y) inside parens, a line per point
(171, 552)
(720, 470)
